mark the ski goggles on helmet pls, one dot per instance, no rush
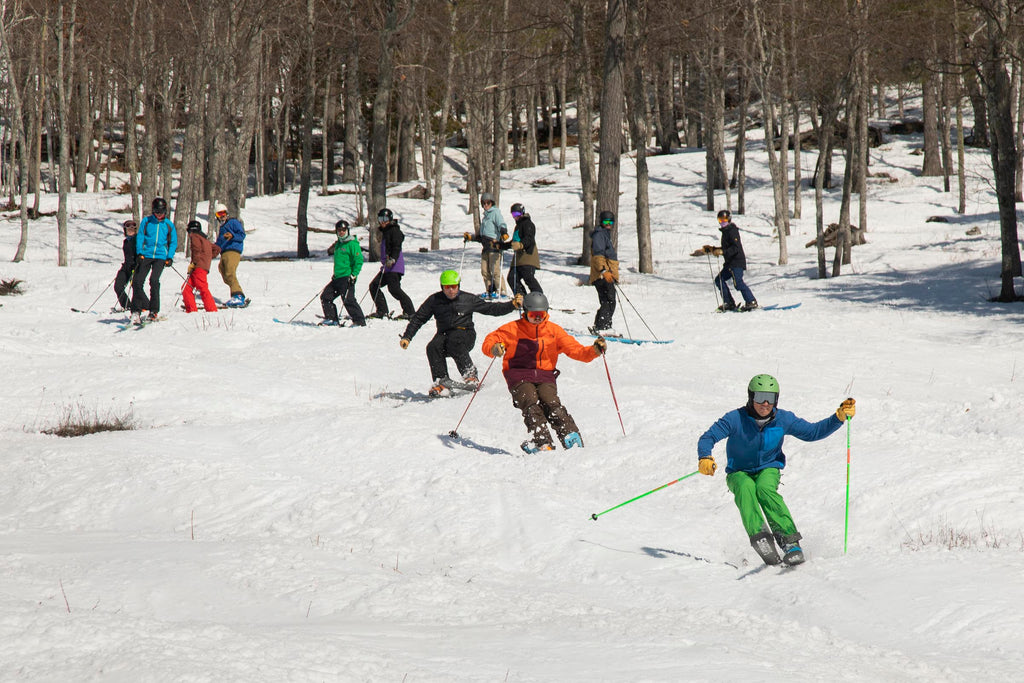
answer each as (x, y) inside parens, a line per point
(517, 214)
(765, 397)
(608, 221)
(536, 316)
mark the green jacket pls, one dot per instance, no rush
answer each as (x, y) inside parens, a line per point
(348, 257)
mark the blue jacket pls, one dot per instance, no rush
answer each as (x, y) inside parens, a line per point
(751, 448)
(157, 239)
(237, 232)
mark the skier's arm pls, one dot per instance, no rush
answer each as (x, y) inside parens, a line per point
(571, 347)
(419, 318)
(813, 431)
(488, 308)
(721, 429)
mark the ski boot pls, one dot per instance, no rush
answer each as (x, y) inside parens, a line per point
(573, 440)
(726, 307)
(441, 388)
(792, 553)
(748, 306)
(531, 447)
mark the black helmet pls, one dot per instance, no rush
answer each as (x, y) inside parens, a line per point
(535, 301)
(385, 215)
(726, 214)
(341, 225)
(517, 208)
(195, 226)
(606, 218)
(160, 205)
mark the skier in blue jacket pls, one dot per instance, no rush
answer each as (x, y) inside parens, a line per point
(754, 435)
(155, 244)
(231, 240)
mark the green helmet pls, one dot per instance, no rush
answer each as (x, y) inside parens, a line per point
(762, 386)
(449, 278)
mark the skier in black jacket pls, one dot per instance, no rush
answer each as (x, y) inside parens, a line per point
(124, 274)
(392, 269)
(735, 264)
(453, 311)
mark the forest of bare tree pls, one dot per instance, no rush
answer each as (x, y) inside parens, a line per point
(220, 100)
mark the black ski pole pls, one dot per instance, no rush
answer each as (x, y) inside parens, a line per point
(635, 311)
(713, 285)
(89, 310)
(455, 432)
(303, 308)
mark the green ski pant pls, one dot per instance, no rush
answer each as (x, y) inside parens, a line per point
(757, 491)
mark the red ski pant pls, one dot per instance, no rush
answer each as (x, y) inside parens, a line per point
(197, 279)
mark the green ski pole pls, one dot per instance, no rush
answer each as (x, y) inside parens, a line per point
(846, 526)
(598, 514)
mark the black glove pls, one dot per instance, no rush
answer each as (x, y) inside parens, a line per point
(168, 262)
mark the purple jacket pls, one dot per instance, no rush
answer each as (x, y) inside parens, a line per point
(391, 247)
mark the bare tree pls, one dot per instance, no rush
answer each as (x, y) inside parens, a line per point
(612, 101)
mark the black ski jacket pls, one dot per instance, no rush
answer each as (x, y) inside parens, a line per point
(732, 248)
(453, 314)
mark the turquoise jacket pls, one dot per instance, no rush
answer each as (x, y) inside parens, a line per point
(348, 257)
(157, 238)
(752, 448)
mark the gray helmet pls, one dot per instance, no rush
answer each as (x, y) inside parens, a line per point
(535, 301)
(487, 197)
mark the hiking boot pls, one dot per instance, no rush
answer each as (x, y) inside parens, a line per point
(748, 306)
(573, 440)
(726, 307)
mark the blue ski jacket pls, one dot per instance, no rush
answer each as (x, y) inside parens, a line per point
(231, 235)
(157, 239)
(752, 448)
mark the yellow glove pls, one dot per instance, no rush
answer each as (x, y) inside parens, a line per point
(847, 409)
(498, 349)
(404, 343)
(600, 345)
(191, 267)
(504, 237)
(717, 251)
(517, 301)
(607, 275)
(467, 237)
(708, 249)
(707, 466)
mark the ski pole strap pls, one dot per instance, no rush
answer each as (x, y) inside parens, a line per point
(685, 476)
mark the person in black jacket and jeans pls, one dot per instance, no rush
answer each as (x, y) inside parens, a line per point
(735, 264)
(452, 310)
(525, 256)
(124, 274)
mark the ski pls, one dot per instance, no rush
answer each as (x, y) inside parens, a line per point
(129, 325)
(764, 545)
(79, 310)
(620, 339)
(780, 307)
(301, 323)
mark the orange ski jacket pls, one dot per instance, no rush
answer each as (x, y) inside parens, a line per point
(532, 350)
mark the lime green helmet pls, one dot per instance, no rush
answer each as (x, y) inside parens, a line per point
(449, 278)
(763, 388)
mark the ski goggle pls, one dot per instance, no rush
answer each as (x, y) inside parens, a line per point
(517, 214)
(608, 221)
(765, 397)
(536, 316)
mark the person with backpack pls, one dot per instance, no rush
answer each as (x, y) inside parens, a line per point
(452, 311)
(155, 244)
(604, 271)
(124, 273)
(231, 242)
(753, 448)
(392, 268)
(492, 232)
(735, 263)
(530, 348)
(348, 261)
(525, 256)
(203, 252)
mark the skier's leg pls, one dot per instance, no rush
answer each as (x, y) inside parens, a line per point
(436, 356)
(395, 288)
(741, 286)
(139, 300)
(380, 304)
(720, 282)
(352, 307)
(203, 285)
(327, 301)
(744, 493)
(187, 295)
(121, 282)
(458, 346)
(525, 398)
(557, 415)
(606, 301)
(528, 276)
(770, 500)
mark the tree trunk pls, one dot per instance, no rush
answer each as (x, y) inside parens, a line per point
(65, 85)
(350, 149)
(640, 135)
(379, 134)
(584, 118)
(442, 127)
(932, 163)
(17, 126)
(612, 99)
